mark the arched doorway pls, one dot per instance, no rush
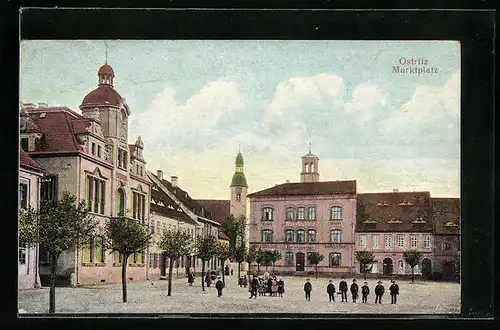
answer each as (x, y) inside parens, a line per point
(387, 267)
(299, 261)
(426, 268)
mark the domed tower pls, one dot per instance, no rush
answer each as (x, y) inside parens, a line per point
(309, 167)
(113, 110)
(239, 189)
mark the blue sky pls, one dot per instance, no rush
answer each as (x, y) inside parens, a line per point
(194, 101)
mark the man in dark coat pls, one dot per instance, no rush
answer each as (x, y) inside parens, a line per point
(394, 289)
(354, 290)
(343, 289)
(255, 285)
(308, 289)
(330, 289)
(219, 285)
(208, 280)
(365, 291)
(379, 292)
(269, 285)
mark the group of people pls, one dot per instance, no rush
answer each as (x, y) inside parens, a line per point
(267, 284)
(365, 291)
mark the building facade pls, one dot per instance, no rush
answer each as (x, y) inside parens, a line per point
(311, 216)
(88, 155)
(30, 175)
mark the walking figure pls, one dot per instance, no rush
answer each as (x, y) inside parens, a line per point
(330, 289)
(365, 291)
(394, 289)
(281, 287)
(231, 272)
(343, 289)
(219, 285)
(308, 289)
(254, 284)
(208, 280)
(190, 278)
(354, 290)
(379, 292)
(274, 287)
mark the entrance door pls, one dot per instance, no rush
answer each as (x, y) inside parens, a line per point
(163, 262)
(387, 267)
(448, 270)
(300, 260)
(426, 268)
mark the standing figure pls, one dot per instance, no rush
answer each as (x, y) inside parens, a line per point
(330, 289)
(308, 289)
(219, 285)
(254, 285)
(281, 287)
(394, 289)
(379, 292)
(190, 278)
(245, 282)
(208, 280)
(365, 291)
(231, 272)
(343, 289)
(274, 287)
(269, 285)
(354, 290)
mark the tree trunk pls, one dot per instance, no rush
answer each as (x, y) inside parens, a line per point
(223, 271)
(203, 275)
(412, 275)
(52, 299)
(266, 267)
(316, 271)
(124, 276)
(364, 273)
(170, 268)
(258, 268)
(273, 267)
(239, 264)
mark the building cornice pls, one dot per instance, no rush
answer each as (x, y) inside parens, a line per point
(287, 198)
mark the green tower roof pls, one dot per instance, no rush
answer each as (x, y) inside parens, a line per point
(239, 159)
(239, 180)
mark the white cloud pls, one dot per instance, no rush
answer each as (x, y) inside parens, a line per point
(366, 100)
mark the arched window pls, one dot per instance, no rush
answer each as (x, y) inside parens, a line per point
(266, 235)
(335, 236)
(267, 213)
(312, 213)
(336, 213)
(311, 236)
(300, 236)
(288, 258)
(120, 203)
(335, 259)
(290, 213)
(289, 235)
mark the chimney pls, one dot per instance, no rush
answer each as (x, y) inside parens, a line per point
(43, 104)
(287, 181)
(395, 190)
(159, 175)
(173, 181)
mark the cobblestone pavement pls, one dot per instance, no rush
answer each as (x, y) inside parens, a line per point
(151, 297)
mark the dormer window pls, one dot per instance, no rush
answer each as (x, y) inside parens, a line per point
(419, 220)
(394, 220)
(450, 224)
(405, 203)
(382, 204)
(369, 221)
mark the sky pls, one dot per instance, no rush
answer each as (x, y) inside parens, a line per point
(193, 102)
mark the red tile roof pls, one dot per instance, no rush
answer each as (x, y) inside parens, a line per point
(102, 95)
(106, 69)
(394, 212)
(222, 235)
(168, 208)
(26, 161)
(219, 209)
(446, 213)
(80, 125)
(57, 125)
(309, 188)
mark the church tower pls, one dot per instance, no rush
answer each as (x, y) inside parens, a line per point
(309, 167)
(239, 189)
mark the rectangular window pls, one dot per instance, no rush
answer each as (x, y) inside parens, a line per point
(122, 158)
(88, 252)
(312, 213)
(300, 236)
(22, 254)
(427, 241)
(413, 241)
(362, 241)
(267, 214)
(375, 241)
(311, 235)
(23, 195)
(94, 194)
(48, 189)
(335, 236)
(93, 148)
(336, 213)
(388, 241)
(308, 262)
(24, 144)
(289, 235)
(99, 151)
(290, 213)
(334, 259)
(117, 257)
(401, 241)
(267, 236)
(445, 246)
(289, 258)
(138, 206)
(98, 250)
(301, 213)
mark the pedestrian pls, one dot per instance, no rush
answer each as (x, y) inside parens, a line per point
(245, 283)
(269, 285)
(190, 278)
(379, 292)
(330, 289)
(231, 272)
(354, 290)
(208, 281)
(219, 285)
(274, 287)
(343, 289)
(254, 285)
(394, 289)
(308, 289)
(281, 287)
(226, 270)
(365, 291)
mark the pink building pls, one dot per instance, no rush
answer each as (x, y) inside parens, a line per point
(311, 216)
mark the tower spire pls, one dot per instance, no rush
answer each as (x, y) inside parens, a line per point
(106, 58)
(239, 147)
(309, 143)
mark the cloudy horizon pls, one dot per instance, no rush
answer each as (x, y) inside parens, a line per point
(194, 101)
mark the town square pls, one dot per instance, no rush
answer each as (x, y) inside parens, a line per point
(168, 181)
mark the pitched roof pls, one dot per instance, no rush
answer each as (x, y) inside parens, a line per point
(222, 235)
(218, 208)
(58, 126)
(394, 212)
(446, 213)
(26, 161)
(309, 188)
(164, 205)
